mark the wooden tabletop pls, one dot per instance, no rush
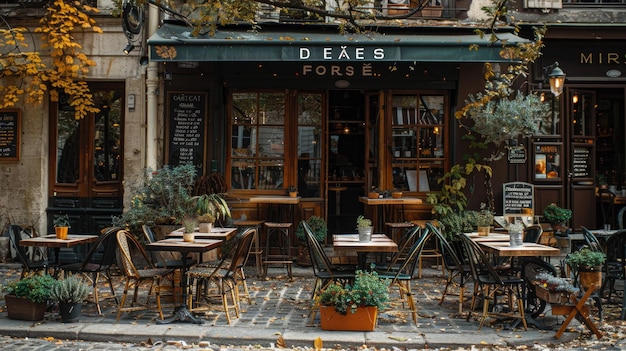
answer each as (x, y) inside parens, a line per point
(177, 244)
(52, 241)
(350, 242)
(391, 201)
(276, 199)
(491, 237)
(501, 248)
(216, 233)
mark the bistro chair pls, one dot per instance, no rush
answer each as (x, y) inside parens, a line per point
(158, 258)
(134, 277)
(227, 281)
(620, 218)
(591, 240)
(99, 261)
(456, 263)
(324, 271)
(606, 199)
(33, 259)
(405, 242)
(490, 286)
(615, 263)
(402, 277)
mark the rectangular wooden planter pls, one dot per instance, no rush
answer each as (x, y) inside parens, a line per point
(364, 319)
(24, 309)
(549, 296)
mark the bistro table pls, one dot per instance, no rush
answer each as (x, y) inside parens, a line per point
(182, 313)
(503, 249)
(51, 241)
(489, 238)
(215, 233)
(384, 206)
(278, 200)
(350, 243)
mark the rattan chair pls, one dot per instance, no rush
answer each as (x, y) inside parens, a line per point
(134, 277)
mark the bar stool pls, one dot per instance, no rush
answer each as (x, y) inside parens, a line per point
(256, 250)
(395, 230)
(277, 246)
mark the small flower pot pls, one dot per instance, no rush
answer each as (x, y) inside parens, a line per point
(70, 311)
(61, 232)
(205, 227)
(396, 194)
(365, 234)
(293, 194)
(189, 237)
(372, 195)
(483, 231)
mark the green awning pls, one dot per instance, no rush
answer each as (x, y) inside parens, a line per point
(175, 43)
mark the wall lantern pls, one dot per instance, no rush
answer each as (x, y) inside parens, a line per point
(129, 48)
(556, 78)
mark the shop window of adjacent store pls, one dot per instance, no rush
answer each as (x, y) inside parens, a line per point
(418, 141)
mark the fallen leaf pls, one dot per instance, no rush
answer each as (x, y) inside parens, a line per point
(280, 342)
(318, 344)
(399, 338)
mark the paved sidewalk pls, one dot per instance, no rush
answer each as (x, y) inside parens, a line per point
(280, 309)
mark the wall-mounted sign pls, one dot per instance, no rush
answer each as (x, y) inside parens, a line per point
(547, 157)
(186, 129)
(518, 198)
(517, 154)
(581, 161)
(10, 134)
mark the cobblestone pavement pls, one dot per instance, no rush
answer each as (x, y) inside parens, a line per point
(280, 305)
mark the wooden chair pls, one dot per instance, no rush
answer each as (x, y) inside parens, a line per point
(490, 285)
(135, 277)
(227, 280)
(98, 262)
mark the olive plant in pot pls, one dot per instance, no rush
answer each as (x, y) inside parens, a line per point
(484, 220)
(558, 218)
(354, 307)
(27, 299)
(588, 264)
(364, 226)
(70, 294)
(320, 230)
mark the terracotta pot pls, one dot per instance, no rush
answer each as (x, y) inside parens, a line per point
(364, 319)
(304, 256)
(590, 276)
(293, 194)
(61, 232)
(24, 309)
(396, 194)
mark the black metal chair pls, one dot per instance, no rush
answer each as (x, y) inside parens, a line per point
(402, 276)
(33, 259)
(532, 234)
(606, 198)
(325, 272)
(405, 243)
(591, 240)
(99, 261)
(615, 263)
(455, 262)
(490, 286)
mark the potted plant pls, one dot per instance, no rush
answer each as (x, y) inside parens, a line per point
(557, 217)
(27, 299)
(364, 226)
(70, 294)
(61, 226)
(189, 227)
(553, 289)
(292, 191)
(320, 230)
(588, 264)
(484, 220)
(356, 306)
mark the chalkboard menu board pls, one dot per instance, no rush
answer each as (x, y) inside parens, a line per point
(10, 135)
(581, 158)
(186, 129)
(518, 198)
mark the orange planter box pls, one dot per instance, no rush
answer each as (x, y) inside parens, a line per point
(364, 319)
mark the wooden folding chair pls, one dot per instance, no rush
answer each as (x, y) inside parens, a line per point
(578, 309)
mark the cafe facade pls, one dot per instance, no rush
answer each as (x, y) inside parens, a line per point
(334, 115)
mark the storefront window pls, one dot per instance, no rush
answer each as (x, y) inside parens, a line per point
(258, 141)
(309, 143)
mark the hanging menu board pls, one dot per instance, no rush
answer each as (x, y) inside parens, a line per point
(518, 198)
(10, 135)
(186, 129)
(581, 158)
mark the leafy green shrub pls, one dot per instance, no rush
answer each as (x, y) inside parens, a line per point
(318, 227)
(33, 287)
(585, 258)
(368, 290)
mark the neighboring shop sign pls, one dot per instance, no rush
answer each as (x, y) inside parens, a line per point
(186, 128)
(10, 134)
(518, 198)
(517, 154)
